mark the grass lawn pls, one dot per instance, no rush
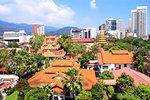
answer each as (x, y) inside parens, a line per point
(13, 96)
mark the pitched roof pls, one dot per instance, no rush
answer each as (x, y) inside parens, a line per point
(139, 78)
(65, 63)
(84, 40)
(116, 56)
(48, 76)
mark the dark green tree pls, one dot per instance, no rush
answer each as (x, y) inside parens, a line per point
(107, 75)
(12, 45)
(113, 39)
(97, 91)
(124, 81)
(85, 58)
(94, 48)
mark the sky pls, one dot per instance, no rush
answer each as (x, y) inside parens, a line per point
(78, 13)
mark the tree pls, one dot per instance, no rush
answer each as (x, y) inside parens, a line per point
(84, 95)
(129, 93)
(96, 39)
(124, 81)
(37, 41)
(107, 75)
(115, 48)
(97, 91)
(73, 84)
(85, 58)
(40, 93)
(47, 62)
(113, 39)
(12, 45)
(143, 91)
(126, 46)
(139, 43)
(94, 48)
(25, 63)
(4, 56)
(140, 63)
(142, 52)
(110, 91)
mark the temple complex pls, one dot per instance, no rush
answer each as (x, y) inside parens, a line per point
(102, 38)
(50, 48)
(55, 73)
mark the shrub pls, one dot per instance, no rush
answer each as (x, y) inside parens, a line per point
(10, 91)
(110, 91)
(107, 75)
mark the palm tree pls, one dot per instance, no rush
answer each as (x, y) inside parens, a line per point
(141, 62)
(73, 84)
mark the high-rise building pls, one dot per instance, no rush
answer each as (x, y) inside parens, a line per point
(41, 30)
(35, 29)
(111, 24)
(139, 21)
(129, 25)
(120, 25)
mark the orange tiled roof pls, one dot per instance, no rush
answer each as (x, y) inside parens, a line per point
(63, 63)
(116, 56)
(48, 76)
(139, 78)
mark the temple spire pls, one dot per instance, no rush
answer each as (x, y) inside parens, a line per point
(102, 38)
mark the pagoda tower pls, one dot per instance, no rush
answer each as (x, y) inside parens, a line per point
(102, 38)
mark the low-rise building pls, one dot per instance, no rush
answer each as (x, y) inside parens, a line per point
(20, 36)
(116, 59)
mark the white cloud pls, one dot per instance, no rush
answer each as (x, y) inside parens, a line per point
(37, 11)
(93, 3)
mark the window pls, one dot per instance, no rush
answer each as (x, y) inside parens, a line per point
(105, 67)
(125, 65)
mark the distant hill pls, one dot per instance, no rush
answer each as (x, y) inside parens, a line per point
(64, 30)
(7, 26)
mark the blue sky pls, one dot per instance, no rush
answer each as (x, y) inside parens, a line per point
(60, 13)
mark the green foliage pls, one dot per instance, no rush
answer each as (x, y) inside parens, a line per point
(142, 52)
(107, 47)
(84, 95)
(113, 39)
(126, 46)
(12, 45)
(3, 59)
(74, 83)
(70, 47)
(117, 47)
(129, 93)
(97, 91)
(37, 41)
(107, 75)
(96, 39)
(110, 91)
(25, 63)
(47, 62)
(13, 96)
(36, 94)
(94, 48)
(40, 93)
(85, 58)
(124, 81)
(10, 91)
(143, 91)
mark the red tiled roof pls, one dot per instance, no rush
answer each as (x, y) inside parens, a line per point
(139, 78)
(32, 50)
(83, 40)
(5, 85)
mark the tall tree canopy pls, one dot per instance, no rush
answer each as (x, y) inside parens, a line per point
(74, 83)
(106, 75)
(37, 41)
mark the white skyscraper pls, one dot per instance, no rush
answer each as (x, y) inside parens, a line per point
(129, 24)
(120, 25)
(139, 21)
(41, 30)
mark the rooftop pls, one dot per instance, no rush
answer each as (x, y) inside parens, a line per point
(115, 57)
